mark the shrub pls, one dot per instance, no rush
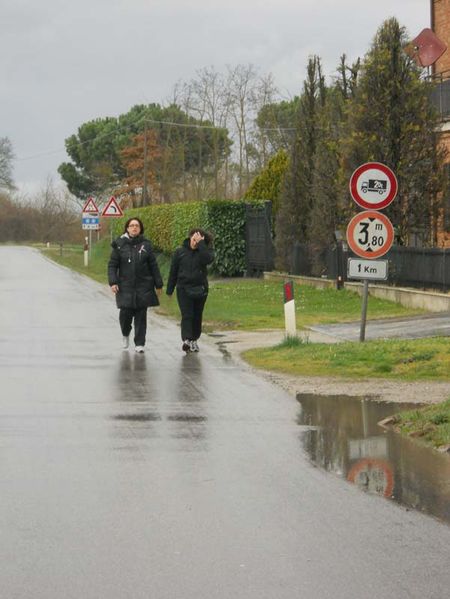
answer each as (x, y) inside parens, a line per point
(168, 224)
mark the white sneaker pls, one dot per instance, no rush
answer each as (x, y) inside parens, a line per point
(194, 346)
(125, 342)
(139, 349)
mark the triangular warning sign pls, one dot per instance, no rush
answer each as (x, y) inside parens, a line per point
(90, 206)
(112, 208)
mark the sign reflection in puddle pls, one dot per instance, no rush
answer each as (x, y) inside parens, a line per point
(345, 438)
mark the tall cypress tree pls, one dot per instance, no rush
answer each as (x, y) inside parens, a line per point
(329, 211)
(294, 216)
(391, 120)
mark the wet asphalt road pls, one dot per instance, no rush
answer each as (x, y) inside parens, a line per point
(414, 327)
(171, 476)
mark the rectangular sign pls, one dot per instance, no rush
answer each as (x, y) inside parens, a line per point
(367, 269)
(90, 222)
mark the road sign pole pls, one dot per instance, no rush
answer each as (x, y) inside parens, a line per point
(362, 331)
(90, 242)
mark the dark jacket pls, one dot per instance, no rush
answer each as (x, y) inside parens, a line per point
(188, 268)
(133, 267)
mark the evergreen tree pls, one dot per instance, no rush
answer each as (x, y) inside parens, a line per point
(293, 221)
(326, 215)
(391, 120)
(267, 185)
(330, 210)
(96, 149)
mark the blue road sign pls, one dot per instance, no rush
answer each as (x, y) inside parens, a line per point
(90, 222)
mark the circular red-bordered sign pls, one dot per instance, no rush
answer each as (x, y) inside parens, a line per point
(373, 186)
(370, 234)
(373, 475)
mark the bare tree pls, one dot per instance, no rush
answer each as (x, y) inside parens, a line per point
(264, 94)
(58, 213)
(207, 100)
(241, 84)
(210, 89)
(6, 159)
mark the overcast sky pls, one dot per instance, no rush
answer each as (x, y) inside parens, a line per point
(64, 62)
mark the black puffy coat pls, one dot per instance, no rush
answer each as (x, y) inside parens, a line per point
(188, 268)
(133, 267)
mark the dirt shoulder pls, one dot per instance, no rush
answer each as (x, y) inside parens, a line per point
(233, 343)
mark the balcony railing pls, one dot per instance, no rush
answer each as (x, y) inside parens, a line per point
(440, 94)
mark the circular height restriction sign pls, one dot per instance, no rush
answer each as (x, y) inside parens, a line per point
(370, 234)
(373, 186)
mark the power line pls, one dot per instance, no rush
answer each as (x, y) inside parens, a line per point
(86, 141)
(166, 123)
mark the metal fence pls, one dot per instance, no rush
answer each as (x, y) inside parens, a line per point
(440, 95)
(258, 238)
(424, 268)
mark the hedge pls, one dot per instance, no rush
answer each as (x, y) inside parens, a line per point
(167, 225)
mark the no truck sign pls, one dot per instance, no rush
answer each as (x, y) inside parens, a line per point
(373, 186)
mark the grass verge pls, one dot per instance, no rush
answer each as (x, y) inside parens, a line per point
(394, 359)
(254, 304)
(430, 424)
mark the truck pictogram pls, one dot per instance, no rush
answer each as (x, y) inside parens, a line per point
(376, 185)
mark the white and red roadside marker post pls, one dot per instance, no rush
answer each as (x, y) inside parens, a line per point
(370, 233)
(289, 309)
(86, 251)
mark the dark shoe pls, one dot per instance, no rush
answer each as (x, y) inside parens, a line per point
(186, 346)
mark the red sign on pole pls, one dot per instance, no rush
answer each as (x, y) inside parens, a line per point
(370, 234)
(90, 207)
(373, 186)
(112, 208)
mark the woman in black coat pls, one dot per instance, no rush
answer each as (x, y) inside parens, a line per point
(134, 278)
(188, 273)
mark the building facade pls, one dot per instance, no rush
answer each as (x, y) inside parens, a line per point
(440, 24)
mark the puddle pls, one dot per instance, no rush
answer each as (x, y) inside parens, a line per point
(345, 439)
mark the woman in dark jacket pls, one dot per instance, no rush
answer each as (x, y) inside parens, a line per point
(188, 273)
(134, 278)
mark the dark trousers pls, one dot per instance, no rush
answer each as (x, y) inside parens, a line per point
(191, 315)
(126, 316)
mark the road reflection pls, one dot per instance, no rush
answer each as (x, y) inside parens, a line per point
(344, 437)
(152, 403)
(187, 414)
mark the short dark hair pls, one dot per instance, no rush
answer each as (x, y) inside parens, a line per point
(206, 234)
(129, 221)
